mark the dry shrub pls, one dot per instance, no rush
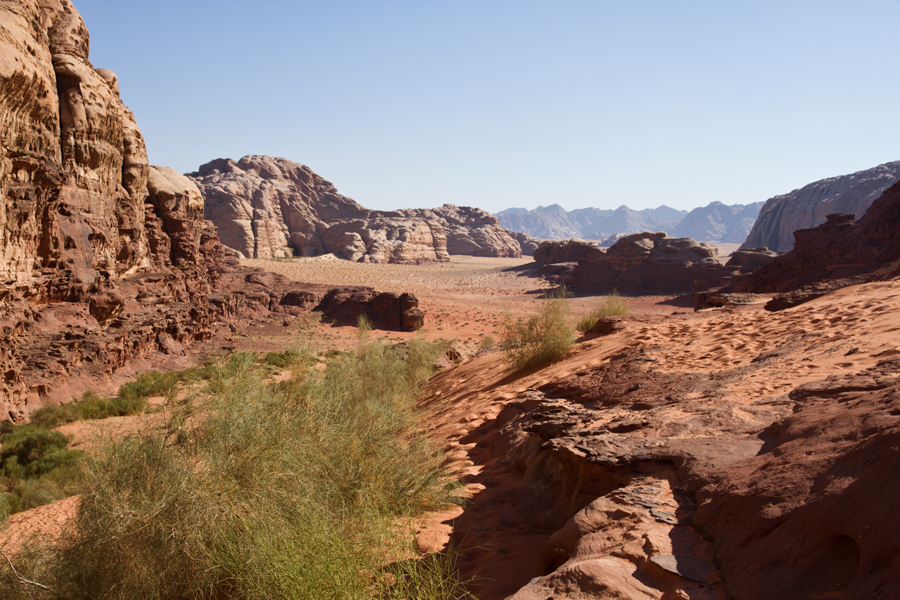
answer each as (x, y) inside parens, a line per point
(613, 305)
(291, 490)
(529, 343)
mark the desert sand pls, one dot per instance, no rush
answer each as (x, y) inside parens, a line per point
(468, 298)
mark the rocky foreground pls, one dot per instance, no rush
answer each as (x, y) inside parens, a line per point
(727, 454)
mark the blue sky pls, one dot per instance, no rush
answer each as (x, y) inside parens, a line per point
(499, 103)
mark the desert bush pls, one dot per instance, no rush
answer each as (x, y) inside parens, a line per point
(282, 359)
(295, 490)
(486, 342)
(537, 340)
(613, 305)
(36, 467)
(90, 406)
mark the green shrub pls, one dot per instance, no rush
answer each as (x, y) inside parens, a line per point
(281, 359)
(91, 406)
(531, 342)
(486, 342)
(613, 305)
(36, 467)
(295, 490)
(149, 384)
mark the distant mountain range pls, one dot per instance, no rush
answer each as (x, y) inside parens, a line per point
(716, 222)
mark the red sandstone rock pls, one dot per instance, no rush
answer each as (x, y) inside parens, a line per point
(838, 249)
(384, 310)
(650, 263)
(566, 251)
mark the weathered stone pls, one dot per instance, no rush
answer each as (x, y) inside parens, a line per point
(751, 259)
(650, 263)
(566, 251)
(809, 206)
(839, 249)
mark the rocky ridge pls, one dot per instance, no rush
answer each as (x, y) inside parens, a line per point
(688, 458)
(718, 222)
(809, 206)
(267, 207)
(556, 223)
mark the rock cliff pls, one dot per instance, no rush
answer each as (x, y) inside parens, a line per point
(104, 258)
(840, 248)
(105, 261)
(808, 206)
(268, 207)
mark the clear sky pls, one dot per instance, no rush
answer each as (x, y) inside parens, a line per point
(496, 103)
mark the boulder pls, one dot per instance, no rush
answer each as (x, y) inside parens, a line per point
(751, 259)
(384, 310)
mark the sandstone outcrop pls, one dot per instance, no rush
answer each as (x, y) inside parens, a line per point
(809, 206)
(89, 231)
(385, 310)
(840, 248)
(268, 207)
(649, 263)
(751, 259)
(691, 458)
(527, 243)
(566, 251)
(106, 262)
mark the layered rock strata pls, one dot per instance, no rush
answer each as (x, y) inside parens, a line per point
(104, 258)
(688, 459)
(810, 205)
(268, 207)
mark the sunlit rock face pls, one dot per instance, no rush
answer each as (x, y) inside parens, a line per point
(267, 207)
(82, 214)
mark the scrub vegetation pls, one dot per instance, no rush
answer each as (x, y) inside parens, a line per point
(305, 488)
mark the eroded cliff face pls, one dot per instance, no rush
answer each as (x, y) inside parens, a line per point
(103, 258)
(267, 207)
(839, 249)
(810, 205)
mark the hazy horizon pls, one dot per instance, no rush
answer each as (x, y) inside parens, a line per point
(515, 104)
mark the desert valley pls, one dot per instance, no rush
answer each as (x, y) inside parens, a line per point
(237, 382)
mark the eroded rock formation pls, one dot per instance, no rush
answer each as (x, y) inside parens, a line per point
(642, 263)
(105, 261)
(89, 231)
(809, 206)
(840, 248)
(269, 207)
(566, 251)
